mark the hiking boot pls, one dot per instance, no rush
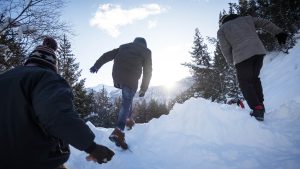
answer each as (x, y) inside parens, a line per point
(118, 137)
(129, 123)
(258, 112)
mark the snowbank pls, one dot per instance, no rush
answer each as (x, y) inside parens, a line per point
(200, 134)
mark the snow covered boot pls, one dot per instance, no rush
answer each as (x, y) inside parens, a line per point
(258, 112)
(118, 137)
(129, 123)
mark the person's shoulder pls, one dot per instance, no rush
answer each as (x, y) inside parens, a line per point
(40, 70)
(30, 70)
(43, 73)
(247, 17)
(220, 29)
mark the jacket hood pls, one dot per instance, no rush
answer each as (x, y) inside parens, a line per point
(140, 41)
(229, 17)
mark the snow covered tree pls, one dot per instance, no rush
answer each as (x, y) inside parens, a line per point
(102, 110)
(200, 65)
(11, 52)
(220, 71)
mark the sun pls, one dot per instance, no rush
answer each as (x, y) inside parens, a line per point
(169, 85)
(168, 82)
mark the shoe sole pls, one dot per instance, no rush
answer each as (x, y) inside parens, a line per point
(259, 118)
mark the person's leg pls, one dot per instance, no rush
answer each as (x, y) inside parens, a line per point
(130, 111)
(245, 75)
(127, 97)
(257, 67)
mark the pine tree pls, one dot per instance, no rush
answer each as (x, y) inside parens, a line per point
(200, 65)
(67, 67)
(69, 70)
(220, 69)
(102, 109)
(83, 100)
(140, 112)
(153, 109)
(12, 51)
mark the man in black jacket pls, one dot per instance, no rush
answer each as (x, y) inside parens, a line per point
(130, 61)
(38, 121)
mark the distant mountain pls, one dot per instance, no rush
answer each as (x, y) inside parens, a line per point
(160, 93)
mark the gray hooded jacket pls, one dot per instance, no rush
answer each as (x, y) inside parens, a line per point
(239, 40)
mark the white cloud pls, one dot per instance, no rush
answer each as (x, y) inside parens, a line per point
(110, 17)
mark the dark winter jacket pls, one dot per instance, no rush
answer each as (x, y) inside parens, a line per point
(130, 60)
(239, 40)
(37, 120)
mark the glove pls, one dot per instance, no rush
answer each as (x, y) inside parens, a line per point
(93, 69)
(281, 37)
(99, 153)
(141, 93)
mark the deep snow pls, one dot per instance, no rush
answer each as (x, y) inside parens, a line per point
(200, 134)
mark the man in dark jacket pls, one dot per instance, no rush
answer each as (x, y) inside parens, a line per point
(38, 121)
(130, 61)
(242, 47)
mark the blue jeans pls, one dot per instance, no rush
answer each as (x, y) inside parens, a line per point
(126, 106)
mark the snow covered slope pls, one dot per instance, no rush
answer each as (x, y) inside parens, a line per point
(203, 135)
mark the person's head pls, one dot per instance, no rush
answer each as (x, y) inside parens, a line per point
(140, 41)
(50, 42)
(44, 55)
(227, 18)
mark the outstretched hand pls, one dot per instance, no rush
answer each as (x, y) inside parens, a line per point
(141, 93)
(93, 69)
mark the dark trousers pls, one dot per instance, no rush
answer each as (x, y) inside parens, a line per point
(249, 82)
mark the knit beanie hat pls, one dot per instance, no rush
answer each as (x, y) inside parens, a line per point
(44, 55)
(50, 42)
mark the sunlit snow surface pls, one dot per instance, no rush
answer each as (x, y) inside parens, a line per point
(200, 134)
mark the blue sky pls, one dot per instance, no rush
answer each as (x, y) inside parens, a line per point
(167, 25)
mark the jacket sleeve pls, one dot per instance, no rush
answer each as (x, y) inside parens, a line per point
(266, 25)
(147, 71)
(106, 57)
(225, 47)
(53, 106)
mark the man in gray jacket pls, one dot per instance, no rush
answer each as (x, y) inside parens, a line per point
(130, 61)
(242, 47)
